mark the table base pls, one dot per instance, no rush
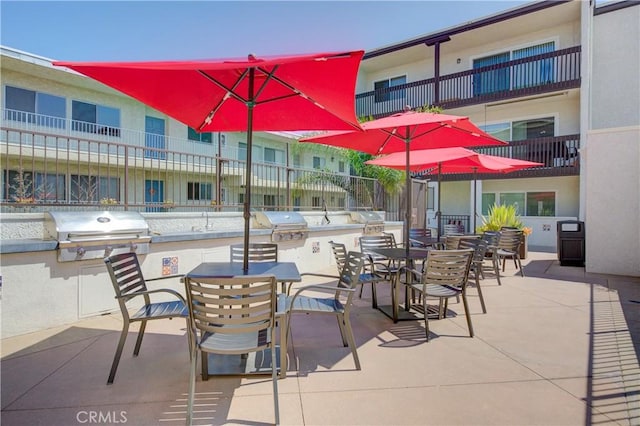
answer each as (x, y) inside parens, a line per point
(413, 314)
(243, 365)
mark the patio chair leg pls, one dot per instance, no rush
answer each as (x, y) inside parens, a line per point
(484, 308)
(118, 354)
(496, 269)
(143, 326)
(284, 344)
(361, 288)
(192, 386)
(520, 267)
(426, 316)
(466, 312)
(352, 341)
(274, 376)
(345, 343)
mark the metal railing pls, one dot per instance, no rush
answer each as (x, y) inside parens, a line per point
(43, 170)
(544, 73)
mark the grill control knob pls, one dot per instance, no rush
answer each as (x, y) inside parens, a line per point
(133, 247)
(80, 251)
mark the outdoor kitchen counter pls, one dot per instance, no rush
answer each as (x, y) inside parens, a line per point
(35, 245)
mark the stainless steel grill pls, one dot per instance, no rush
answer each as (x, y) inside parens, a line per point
(95, 235)
(286, 226)
(373, 223)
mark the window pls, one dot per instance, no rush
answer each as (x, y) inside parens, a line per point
(384, 89)
(319, 162)
(341, 166)
(316, 202)
(91, 189)
(193, 135)
(536, 204)
(488, 200)
(199, 191)
(535, 72)
(242, 151)
(541, 204)
(274, 156)
(98, 119)
(34, 186)
(29, 106)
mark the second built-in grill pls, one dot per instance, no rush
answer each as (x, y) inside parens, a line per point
(96, 234)
(286, 226)
(373, 223)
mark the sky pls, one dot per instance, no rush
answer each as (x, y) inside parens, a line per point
(166, 30)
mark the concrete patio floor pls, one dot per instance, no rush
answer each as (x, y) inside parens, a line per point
(558, 347)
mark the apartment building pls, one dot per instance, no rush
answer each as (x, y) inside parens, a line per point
(558, 81)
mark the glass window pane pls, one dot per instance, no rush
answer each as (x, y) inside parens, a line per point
(206, 137)
(269, 155)
(53, 106)
(488, 200)
(108, 116)
(20, 99)
(82, 111)
(541, 204)
(192, 135)
(242, 151)
(515, 199)
(501, 131)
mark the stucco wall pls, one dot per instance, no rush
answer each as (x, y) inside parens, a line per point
(615, 97)
(612, 220)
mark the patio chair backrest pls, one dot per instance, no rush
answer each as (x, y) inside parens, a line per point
(350, 274)
(448, 267)
(419, 232)
(510, 239)
(258, 252)
(232, 307)
(126, 277)
(339, 253)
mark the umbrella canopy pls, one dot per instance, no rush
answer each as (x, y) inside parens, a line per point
(407, 131)
(294, 92)
(453, 160)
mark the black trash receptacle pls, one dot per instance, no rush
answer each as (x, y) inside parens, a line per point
(571, 243)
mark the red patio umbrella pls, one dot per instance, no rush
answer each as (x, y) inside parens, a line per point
(294, 92)
(409, 131)
(453, 160)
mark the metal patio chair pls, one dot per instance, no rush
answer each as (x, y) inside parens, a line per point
(232, 316)
(509, 248)
(366, 277)
(130, 285)
(445, 275)
(338, 304)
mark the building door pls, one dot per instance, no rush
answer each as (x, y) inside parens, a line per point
(153, 195)
(154, 138)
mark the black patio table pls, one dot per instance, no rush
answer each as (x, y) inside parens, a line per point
(256, 362)
(399, 254)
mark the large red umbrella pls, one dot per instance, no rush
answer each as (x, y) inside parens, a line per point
(409, 131)
(295, 92)
(453, 160)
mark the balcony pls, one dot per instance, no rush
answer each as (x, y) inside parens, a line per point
(533, 75)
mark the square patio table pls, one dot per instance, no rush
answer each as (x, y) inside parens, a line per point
(399, 254)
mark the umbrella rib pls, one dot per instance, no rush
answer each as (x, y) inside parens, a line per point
(229, 93)
(390, 134)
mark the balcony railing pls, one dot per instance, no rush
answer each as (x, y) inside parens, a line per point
(559, 155)
(544, 73)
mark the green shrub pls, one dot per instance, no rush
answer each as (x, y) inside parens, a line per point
(499, 216)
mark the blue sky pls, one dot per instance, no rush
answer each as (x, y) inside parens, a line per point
(148, 30)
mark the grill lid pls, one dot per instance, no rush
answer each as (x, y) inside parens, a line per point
(93, 224)
(366, 217)
(280, 220)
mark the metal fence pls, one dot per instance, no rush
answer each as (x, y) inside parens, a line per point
(41, 171)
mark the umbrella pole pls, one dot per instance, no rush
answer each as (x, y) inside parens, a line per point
(247, 184)
(475, 197)
(439, 213)
(407, 215)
